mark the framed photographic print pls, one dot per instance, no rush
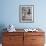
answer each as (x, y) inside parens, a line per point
(26, 13)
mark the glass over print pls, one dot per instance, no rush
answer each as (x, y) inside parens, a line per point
(26, 13)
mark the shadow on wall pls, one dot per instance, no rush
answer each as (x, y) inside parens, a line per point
(2, 26)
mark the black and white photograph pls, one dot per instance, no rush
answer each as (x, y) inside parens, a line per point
(26, 13)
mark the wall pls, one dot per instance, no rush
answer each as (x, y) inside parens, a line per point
(9, 13)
